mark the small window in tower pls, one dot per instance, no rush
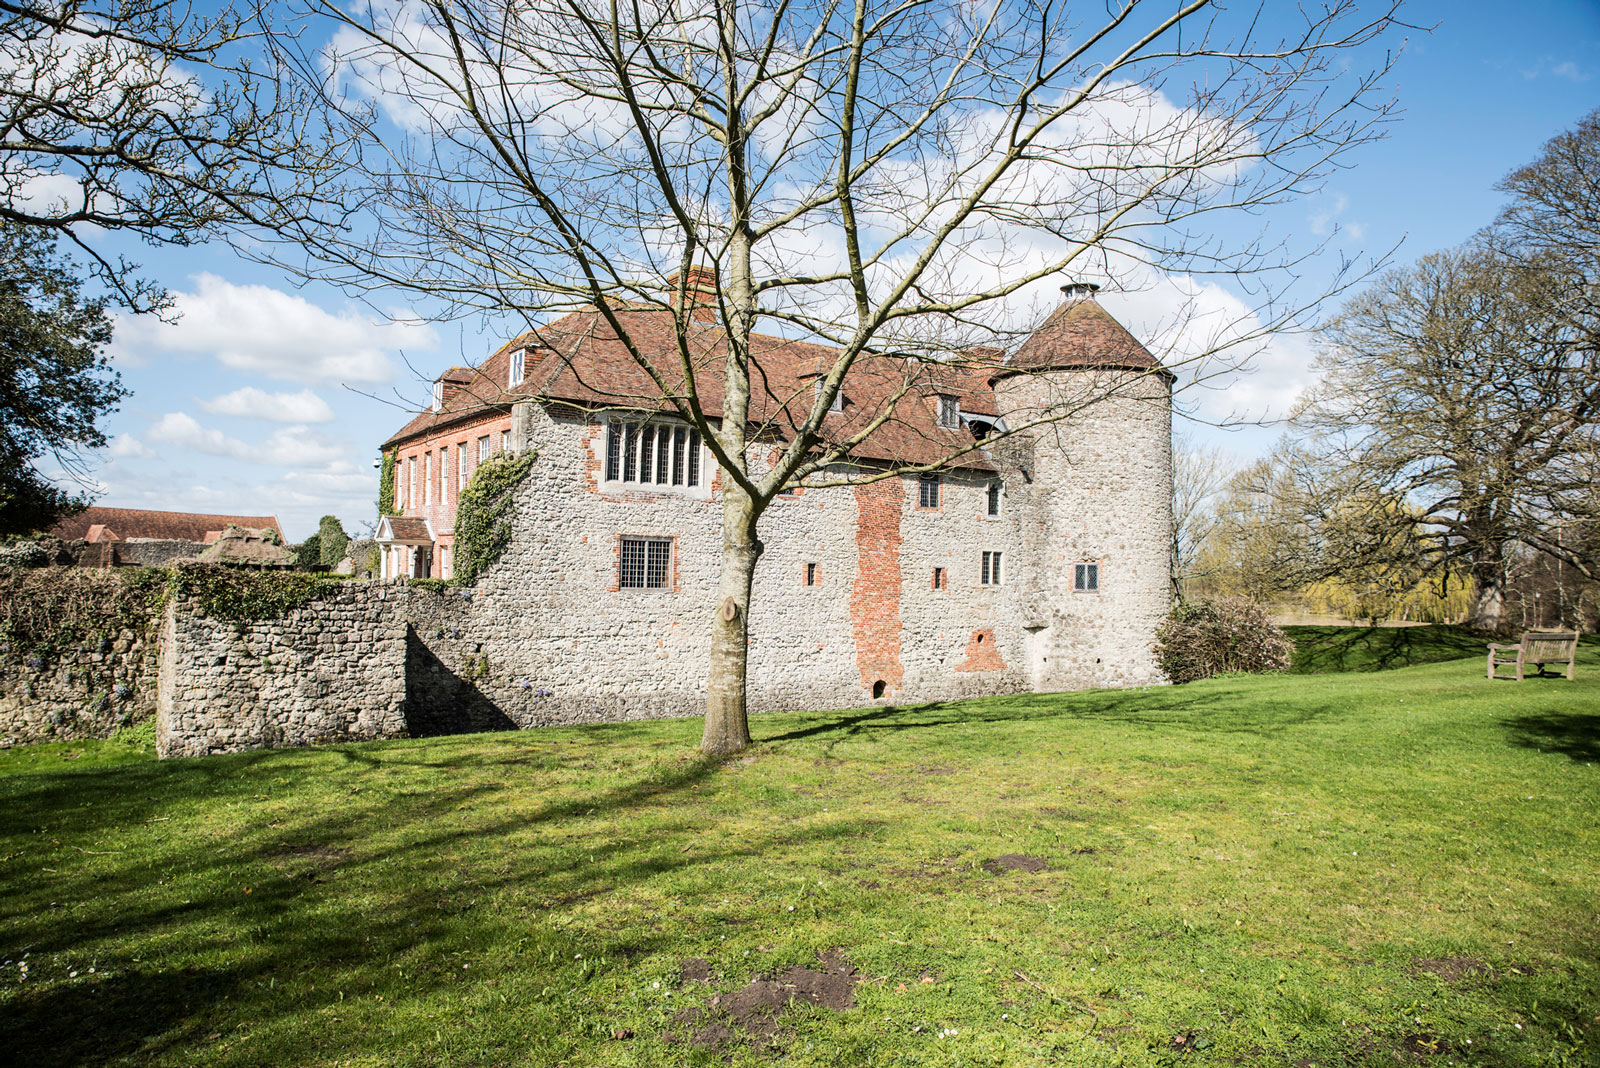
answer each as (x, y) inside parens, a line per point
(993, 505)
(811, 574)
(927, 491)
(949, 410)
(1086, 578)
(938, 578)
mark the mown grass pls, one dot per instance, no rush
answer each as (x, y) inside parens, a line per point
(1353, 869)
(1320, 650)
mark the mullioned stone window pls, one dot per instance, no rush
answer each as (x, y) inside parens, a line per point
(653, 454)
(1086, 578)
(991, 569)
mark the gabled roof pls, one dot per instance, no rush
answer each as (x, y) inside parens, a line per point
(406, 529)
(579, 359)
(144, 523)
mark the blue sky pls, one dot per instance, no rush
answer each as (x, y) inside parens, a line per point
(266, 398)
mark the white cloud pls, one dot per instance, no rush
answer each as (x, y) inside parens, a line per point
(264, 331)
(253, 403)
(128, 447)
(1570, 71)
(291, 446)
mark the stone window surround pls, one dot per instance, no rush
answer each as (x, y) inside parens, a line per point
(1090, 575)
(706, 468)
(929, 486)
(992, 572)
(940, 580)
(948, 413)
(994, 497)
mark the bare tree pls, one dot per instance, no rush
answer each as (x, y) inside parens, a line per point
(881, 179)
(149, 118)
(1460, 401)
(1199, 473)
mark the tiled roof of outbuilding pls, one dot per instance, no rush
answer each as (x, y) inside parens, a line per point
(144, 523)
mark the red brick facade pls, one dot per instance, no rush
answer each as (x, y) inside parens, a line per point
(875, 597)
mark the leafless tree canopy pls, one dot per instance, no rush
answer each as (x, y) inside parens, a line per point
(146, 117)
(880, 177)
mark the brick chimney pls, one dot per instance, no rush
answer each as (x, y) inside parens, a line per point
(700, 290)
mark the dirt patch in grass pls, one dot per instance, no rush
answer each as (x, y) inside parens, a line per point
(1451, 969)
(1014, 862)
(694, 970)
(751, 1013)
(308, 859)
(1422, 1044)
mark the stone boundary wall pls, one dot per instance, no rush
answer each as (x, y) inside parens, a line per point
(85, 686)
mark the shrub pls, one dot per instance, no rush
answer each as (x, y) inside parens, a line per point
(332, 540)
(1204, 638)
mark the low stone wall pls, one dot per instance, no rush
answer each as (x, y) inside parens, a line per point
(63, 680)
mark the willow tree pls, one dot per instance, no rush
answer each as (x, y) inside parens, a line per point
(883, 178)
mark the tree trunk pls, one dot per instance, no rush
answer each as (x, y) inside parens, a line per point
(727, 720)
(1489, 583)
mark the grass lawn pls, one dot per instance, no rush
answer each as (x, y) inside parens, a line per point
(1319, 650)
(1375, 868)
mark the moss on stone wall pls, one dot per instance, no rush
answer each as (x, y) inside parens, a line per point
(483, 515)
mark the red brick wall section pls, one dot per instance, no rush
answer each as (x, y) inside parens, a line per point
(982, 654)
(875, 597)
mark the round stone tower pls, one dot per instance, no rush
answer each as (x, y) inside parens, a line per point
(1093, 411)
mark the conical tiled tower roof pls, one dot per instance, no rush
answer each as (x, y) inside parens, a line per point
(1078, 335)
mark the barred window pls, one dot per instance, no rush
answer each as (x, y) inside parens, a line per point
(644, 563)
(1086, 578)
(652, 455)
(928, 491)
(994, 497)
(991, 569)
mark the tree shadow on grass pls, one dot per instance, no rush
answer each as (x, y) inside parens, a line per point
(1577, 734)
(1322, 650)
(285, 912)
(1215, 707)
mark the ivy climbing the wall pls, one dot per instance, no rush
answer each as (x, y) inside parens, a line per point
(391, 460)
(483, 516)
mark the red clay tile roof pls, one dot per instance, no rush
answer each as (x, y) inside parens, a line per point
(144, 523)
(1080, 334)
(579, 359)
(408, 528)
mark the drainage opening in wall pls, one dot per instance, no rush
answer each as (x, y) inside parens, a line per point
(980, 639)
(878, 688)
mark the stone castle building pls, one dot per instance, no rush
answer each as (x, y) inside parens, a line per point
(1040, 564)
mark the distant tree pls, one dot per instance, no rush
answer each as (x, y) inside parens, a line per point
(55, 382)
(1461, 404)
(308, 554)
(332, 540)
(150, 118)
(1198, 474)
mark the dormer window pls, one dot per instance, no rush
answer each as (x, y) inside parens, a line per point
(838, 398)
(518, 368)
(949, 410)
(438, 395)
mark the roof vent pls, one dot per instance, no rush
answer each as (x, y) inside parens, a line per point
(1077, 291)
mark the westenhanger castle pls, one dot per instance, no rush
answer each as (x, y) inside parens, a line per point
(1041, 566)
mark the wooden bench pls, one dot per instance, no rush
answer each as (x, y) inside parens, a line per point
(1538, 647)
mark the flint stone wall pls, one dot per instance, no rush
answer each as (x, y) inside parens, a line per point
(88, 692)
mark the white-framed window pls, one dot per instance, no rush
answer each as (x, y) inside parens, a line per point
(438, 395)
(519, 364)
(445, 568)
(427, 479)
(1086, 578)
(992, 501)
(991, 569)
(661, 455)
(483, 448)
(949, 410)
(461, 467)
(837, 404)
(411, 484)
(444, 474)
(644, 563)
(928, 491)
